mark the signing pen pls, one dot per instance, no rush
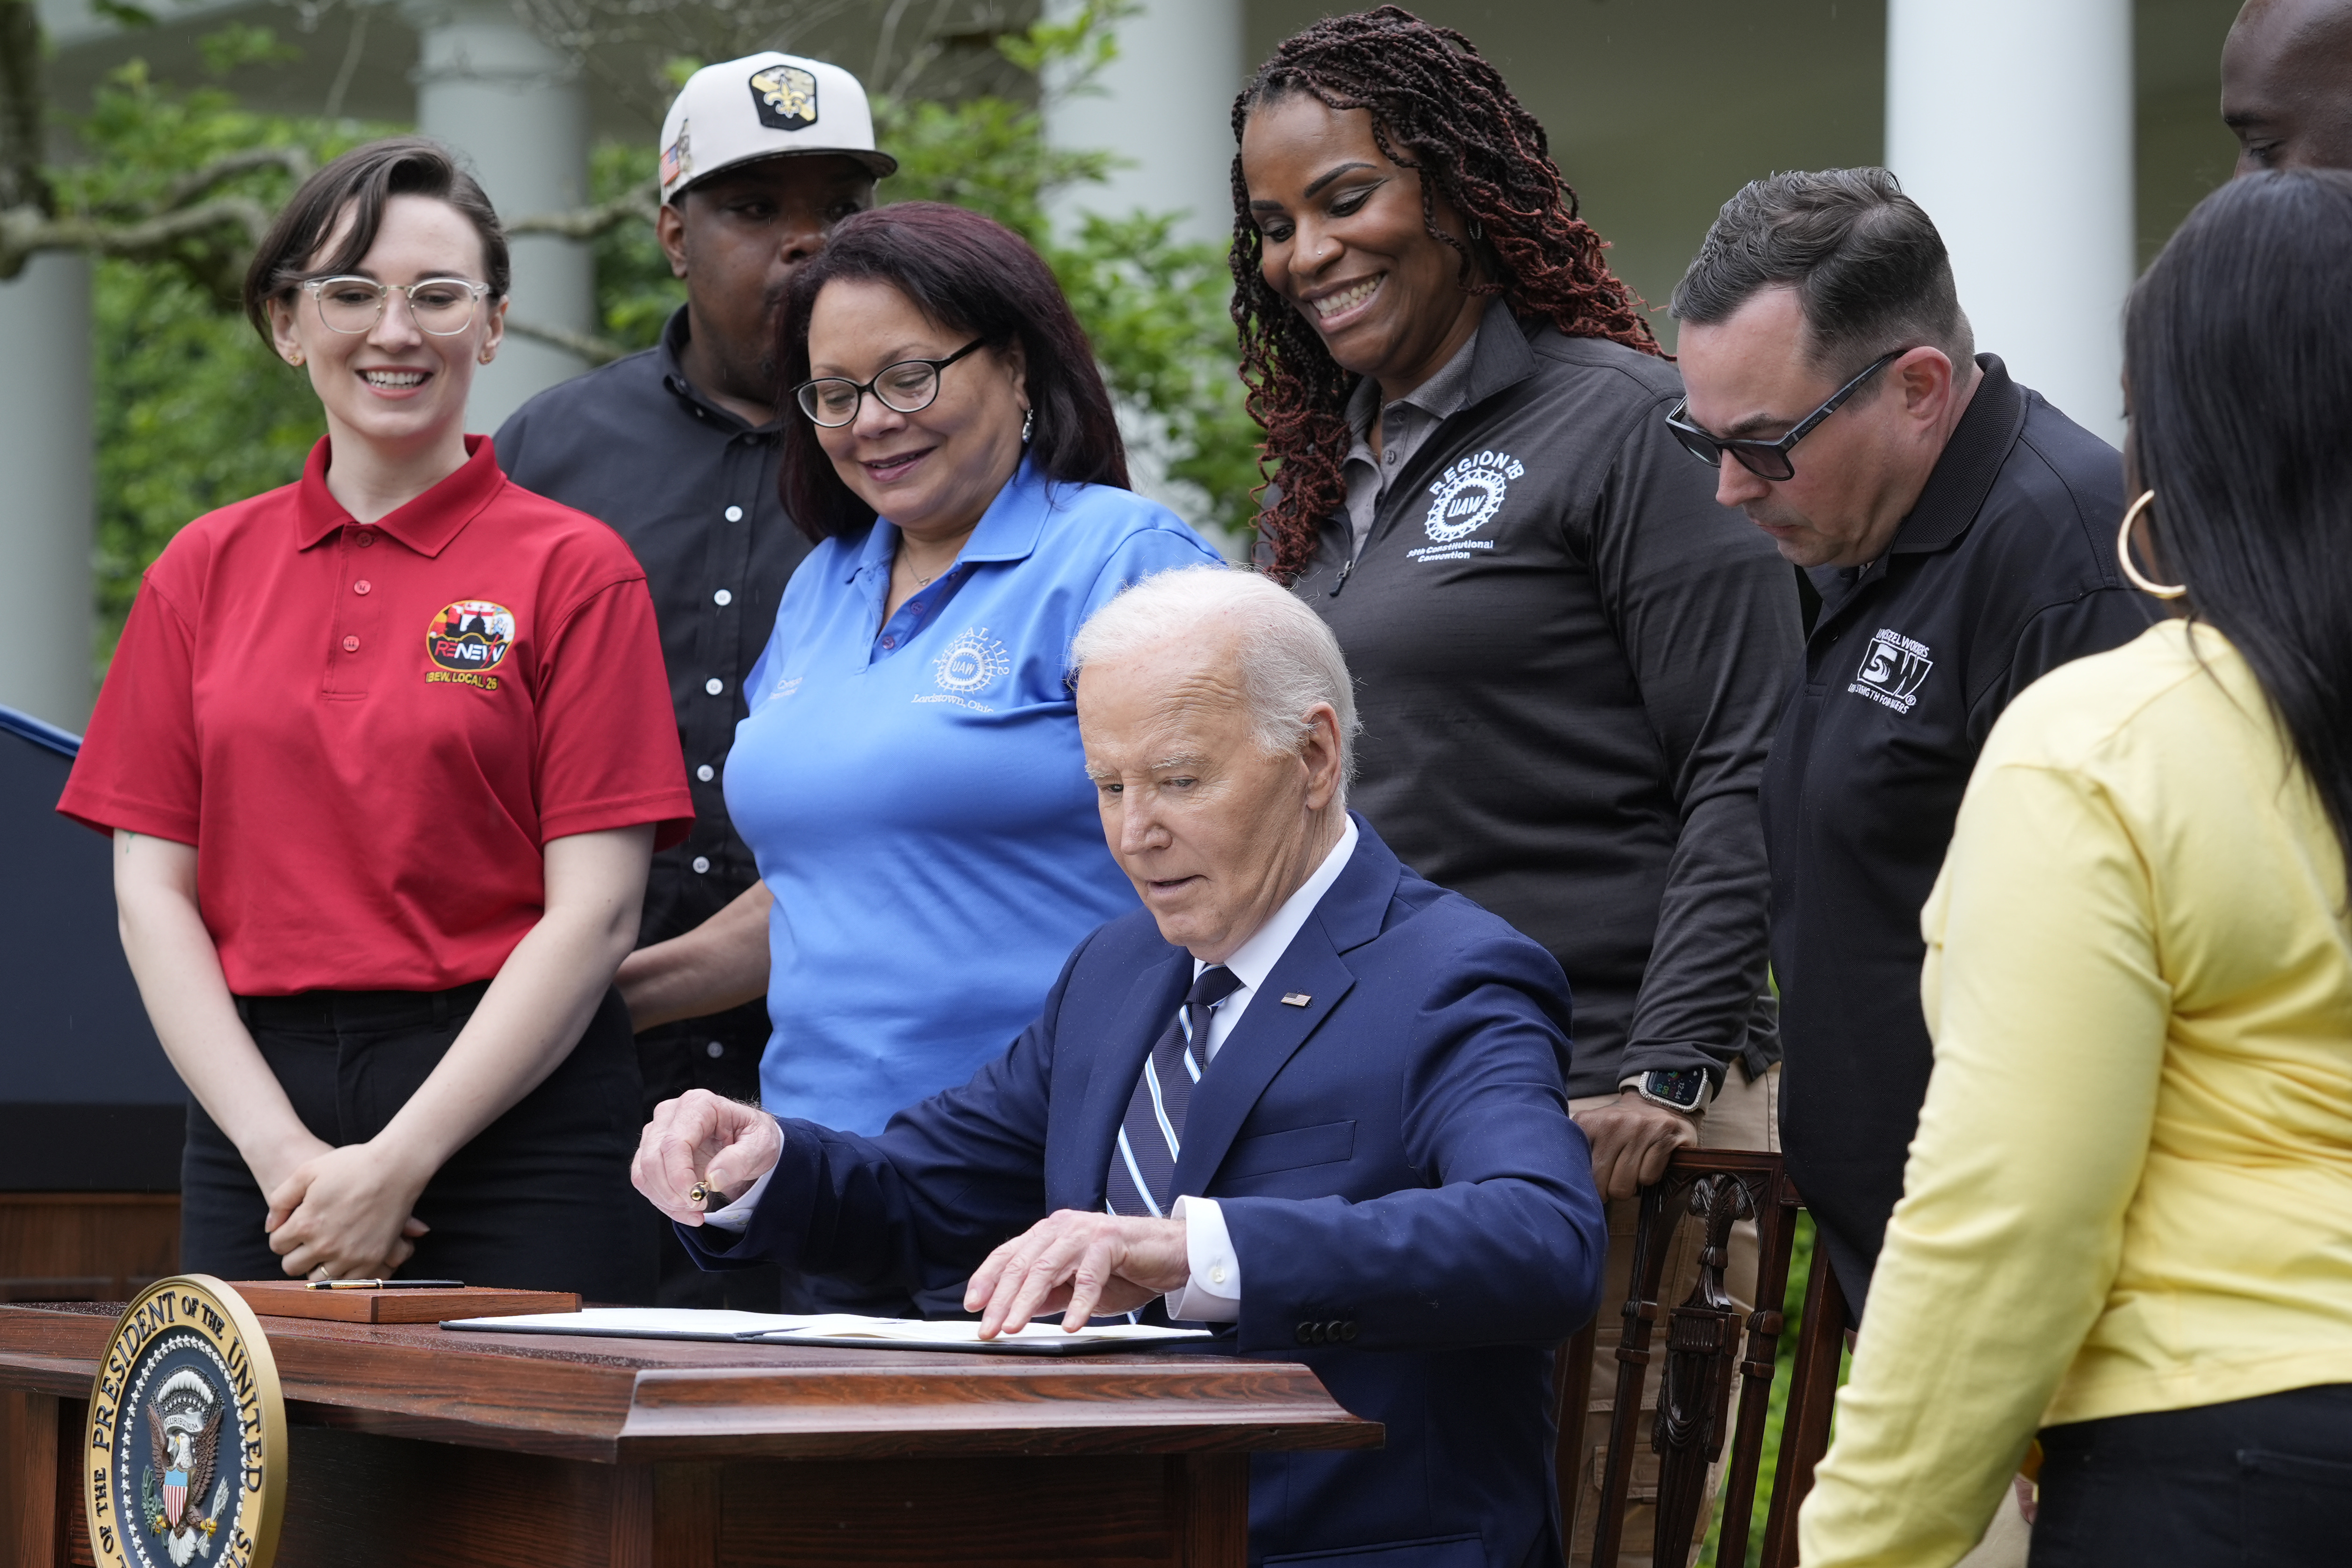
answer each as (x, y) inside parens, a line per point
(386, 1284)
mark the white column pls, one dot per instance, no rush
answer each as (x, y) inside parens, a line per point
(1164, 107)
(47, 465)
(516, 109)
(2010, 123)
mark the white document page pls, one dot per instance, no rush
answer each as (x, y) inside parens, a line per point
(824, 1328)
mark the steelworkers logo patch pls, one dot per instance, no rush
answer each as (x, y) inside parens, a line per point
(1469, 494)
(186, 1454)
(471, 635)
(785, 97)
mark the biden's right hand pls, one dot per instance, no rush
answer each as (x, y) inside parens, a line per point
(703, 1138)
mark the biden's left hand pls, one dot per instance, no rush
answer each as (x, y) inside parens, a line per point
(1081, 1264)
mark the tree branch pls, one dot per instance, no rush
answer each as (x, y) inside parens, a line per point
(587, 222)
(25, 230)
(295, 161)
(587, 345)
(21, 112)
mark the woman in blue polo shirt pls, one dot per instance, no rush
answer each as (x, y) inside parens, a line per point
(910, 777)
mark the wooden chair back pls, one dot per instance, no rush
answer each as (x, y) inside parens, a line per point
(1715, 1188)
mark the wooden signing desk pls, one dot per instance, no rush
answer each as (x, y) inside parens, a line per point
(419, 1447)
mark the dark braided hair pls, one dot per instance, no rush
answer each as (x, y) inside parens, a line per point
(1439, 109)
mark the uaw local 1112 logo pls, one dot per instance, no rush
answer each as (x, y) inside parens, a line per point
(468, 638)
(186, 1457)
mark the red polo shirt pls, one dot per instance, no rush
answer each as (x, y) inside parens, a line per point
(368, 730)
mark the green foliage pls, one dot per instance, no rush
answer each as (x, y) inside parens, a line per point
(194, 412)
(634, 290)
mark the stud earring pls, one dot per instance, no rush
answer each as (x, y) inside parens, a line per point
(1028, 424)
(295, 358)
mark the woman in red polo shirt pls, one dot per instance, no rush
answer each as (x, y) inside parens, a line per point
(385, 754)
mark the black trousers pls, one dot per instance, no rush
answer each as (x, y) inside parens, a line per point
(2251, 1483)
(539, 1200)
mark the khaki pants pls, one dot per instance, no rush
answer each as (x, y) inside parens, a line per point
(1746, 1115)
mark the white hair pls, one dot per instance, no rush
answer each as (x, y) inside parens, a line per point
(1289, 661)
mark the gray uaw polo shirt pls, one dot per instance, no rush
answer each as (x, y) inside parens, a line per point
(2004, 570)
(1568, 659)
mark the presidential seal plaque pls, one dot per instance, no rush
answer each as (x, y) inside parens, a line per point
(186, 1457)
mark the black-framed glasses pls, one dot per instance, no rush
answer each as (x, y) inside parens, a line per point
(444, 307)
(1766, 459)
(909, 386)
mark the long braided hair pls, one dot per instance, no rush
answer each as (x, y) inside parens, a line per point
(1438, 108)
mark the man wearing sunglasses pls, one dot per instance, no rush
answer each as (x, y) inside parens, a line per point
(1958, 531)
(678, 448)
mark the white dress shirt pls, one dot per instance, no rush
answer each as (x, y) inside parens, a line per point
(1212, 1292)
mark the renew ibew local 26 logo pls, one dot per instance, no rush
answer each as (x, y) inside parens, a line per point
(1463, 499)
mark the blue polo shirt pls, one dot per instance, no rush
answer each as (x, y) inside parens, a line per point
(917, 799)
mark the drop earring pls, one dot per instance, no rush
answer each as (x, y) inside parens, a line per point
(1028, 424)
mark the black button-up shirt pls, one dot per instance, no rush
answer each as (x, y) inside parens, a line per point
(2004, 570)
(692, 488)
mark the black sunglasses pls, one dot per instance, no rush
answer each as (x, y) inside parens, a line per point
(1766, 459)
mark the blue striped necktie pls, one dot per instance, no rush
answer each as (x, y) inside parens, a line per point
(1143, 1166)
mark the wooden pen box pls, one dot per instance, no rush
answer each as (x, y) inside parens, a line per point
(293, 1299)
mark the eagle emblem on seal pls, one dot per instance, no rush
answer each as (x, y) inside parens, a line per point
(184, 1431)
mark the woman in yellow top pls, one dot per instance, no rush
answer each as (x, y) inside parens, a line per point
(2127, 1221)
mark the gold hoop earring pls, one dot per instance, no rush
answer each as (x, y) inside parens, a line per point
(2123, 553)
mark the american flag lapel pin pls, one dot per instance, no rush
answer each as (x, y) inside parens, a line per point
(1295, 998)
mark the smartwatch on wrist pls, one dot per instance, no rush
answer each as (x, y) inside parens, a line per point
(1682, 1089)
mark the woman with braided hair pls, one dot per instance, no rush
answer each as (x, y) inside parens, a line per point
(1569, 658)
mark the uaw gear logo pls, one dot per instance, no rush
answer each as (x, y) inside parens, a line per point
(1465, 497)
(187, 1434)
(471, 635)
(785, 97)
(971, 661)
(1893, 671)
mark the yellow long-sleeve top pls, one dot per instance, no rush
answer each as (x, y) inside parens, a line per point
(2131, 1188)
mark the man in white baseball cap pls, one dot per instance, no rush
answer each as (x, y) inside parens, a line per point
(677, 448)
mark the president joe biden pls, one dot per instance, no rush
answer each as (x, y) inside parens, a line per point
(1302, 1095)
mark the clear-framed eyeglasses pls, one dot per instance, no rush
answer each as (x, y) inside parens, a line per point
(909, 386)
(443, 307)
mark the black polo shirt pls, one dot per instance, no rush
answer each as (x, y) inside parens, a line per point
(2004, 570)
(1568, 659)
(692, 488)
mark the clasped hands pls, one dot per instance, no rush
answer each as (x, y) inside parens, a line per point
(342, 1213)
(1077, 1263)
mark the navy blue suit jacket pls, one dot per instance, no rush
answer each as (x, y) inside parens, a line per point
(1395, 1156)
